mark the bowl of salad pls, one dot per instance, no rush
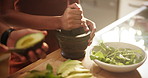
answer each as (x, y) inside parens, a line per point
(118, 56)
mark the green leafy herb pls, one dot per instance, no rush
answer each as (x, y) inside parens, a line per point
(48, 73)
(121, 56)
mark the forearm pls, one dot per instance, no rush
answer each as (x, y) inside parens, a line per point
(32, 21)
(20, 19)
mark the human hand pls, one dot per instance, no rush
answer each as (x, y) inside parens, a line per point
(72, 17)
(89, 25)
(15, 35)
(3, 49)
(18, 61)
(32, 55)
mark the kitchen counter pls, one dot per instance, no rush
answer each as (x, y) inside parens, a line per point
(55, 59)
(119, 31)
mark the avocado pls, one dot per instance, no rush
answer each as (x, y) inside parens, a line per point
(36, 74)
(67, 64)
(29, 42)
(76, 69)
(73, 69)
(80, 75)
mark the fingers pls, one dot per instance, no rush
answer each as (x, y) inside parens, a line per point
(90, 39)
(75, 17)
(15, 35)
(44, 32)
(85, 27)
(72, 17)
(35, 31)
(39, 53)
(3, 48)
(92, 27)
(32, 56)
(45, 47)
(75, 11)
(74, 6)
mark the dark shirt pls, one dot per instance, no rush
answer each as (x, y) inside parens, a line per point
(45, 8)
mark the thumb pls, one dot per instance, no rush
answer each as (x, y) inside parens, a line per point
(74, 6)
(44, 32)
(3, 48)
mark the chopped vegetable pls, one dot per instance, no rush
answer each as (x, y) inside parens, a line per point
(120, 56)
(48, 73)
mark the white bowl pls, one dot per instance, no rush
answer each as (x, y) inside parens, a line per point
(120, 68)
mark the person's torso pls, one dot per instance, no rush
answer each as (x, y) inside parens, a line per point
(46, 8)
(42, 7)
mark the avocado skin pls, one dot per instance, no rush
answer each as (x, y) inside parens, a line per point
(24, 52)
(33, 46)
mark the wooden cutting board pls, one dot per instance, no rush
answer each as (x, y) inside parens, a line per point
(55, 59)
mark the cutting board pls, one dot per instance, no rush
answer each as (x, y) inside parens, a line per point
(55, 59)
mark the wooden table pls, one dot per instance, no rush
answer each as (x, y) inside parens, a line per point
(55, 59)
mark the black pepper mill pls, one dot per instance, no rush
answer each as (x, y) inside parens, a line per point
(73, 42)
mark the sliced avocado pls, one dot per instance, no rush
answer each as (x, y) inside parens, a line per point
(37, 74)
(67, 64)
(75, 69)
(80, 75)
(29, 40)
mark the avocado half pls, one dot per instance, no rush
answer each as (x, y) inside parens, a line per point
(30, 42)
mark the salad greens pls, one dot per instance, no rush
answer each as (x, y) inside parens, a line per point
(120, 56)
(48, 73)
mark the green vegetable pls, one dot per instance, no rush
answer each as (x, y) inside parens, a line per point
(73, 69)
(48, 73)
(29, 40)
(120, 56)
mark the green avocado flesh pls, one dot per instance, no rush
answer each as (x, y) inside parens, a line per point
(29, 40)
(73, 69)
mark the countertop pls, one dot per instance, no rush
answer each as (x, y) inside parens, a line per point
(55, 59)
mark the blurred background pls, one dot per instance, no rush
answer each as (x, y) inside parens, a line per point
(104, 12)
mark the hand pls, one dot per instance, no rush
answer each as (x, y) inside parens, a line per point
(3, 48)
(89, 25)
(15, 35)
(17, 61)
(72, 17)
